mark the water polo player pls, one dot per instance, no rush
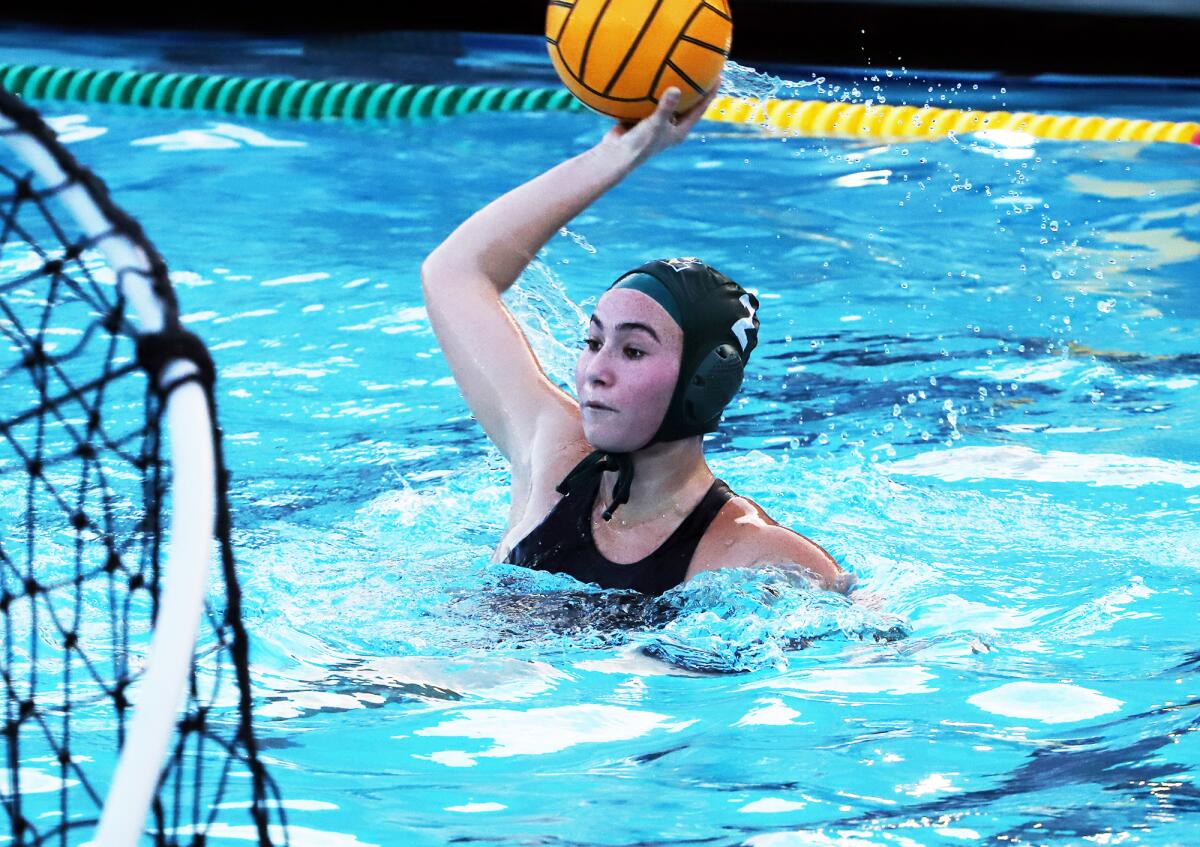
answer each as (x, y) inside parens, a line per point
(612, 488)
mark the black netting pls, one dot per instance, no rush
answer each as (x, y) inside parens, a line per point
(84, 495)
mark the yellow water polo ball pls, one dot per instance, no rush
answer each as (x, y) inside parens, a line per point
(619, 56)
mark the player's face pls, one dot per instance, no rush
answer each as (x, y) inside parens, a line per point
(627, 370)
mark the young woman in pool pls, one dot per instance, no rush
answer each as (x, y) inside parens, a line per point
(612, 488)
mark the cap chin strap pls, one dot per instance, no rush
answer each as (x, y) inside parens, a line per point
(597, 462)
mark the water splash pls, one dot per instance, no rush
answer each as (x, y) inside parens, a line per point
(745, 81)
(540, 302)
(735, 620)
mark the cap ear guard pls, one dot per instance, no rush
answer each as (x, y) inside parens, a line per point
(715, 382)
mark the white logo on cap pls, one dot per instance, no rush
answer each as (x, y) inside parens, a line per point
(743, 324)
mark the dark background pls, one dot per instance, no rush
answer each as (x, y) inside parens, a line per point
(1014, 37)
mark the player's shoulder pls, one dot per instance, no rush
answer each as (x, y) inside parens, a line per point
(758, 538)
(744, 535)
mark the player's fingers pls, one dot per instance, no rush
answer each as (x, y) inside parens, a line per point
(688, 119)
(666, 106)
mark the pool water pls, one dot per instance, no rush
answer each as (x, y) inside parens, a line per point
(976, 386)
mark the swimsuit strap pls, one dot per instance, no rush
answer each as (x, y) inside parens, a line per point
(692, 529)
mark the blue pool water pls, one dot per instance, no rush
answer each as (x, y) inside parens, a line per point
(976, 386)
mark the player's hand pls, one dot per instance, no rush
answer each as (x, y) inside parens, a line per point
(660, 130)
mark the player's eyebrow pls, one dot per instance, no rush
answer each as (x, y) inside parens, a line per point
(630, 326)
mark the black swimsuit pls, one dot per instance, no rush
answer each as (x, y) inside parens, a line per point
(563, 543)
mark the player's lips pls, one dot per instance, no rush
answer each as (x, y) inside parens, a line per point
(592, 404)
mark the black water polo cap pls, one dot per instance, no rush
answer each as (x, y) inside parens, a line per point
(719, 320)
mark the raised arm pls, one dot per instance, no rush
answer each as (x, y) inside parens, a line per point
(463, 279)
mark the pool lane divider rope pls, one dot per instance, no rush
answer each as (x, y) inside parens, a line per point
(273, 97)
(352, 101)
(824, 119)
